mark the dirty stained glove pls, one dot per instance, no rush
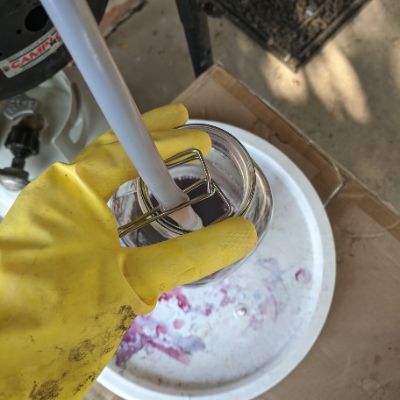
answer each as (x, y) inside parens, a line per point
(68, 290)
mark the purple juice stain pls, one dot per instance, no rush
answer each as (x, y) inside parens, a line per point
(226, 299)
(209, 209)
(183, 302)
(135, 340)
(178, 323)
(303, 276)
(148, 334)
(208, 310)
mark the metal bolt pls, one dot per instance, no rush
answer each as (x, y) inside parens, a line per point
(240, 311)
(6, 69)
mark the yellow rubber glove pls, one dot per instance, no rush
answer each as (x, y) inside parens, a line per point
(68, 290)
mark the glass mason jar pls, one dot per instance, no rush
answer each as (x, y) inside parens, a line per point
(236, 174)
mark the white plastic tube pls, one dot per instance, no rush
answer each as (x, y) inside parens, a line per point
(80, 33)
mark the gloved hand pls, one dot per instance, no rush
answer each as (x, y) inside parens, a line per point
(68, 290)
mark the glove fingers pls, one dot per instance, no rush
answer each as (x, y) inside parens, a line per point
(156, 269)
(105, 167)
(162, 118)
(167, 117)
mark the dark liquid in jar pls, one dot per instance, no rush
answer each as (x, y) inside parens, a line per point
(209, 209)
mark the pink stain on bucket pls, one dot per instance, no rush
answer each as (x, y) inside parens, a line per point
(183, 302)
(148, 334)
(226, 299)
(303, 276)
(178, 323)
(155, 333)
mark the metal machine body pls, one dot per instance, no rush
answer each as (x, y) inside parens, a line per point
(72, 119)
(31, 51)
(46, 115)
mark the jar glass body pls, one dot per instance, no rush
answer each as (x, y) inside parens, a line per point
(237, 175)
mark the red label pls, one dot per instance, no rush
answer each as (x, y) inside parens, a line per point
(38, 51)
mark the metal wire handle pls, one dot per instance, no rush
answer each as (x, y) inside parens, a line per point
(155, 213)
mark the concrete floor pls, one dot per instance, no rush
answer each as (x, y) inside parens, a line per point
(346, 99)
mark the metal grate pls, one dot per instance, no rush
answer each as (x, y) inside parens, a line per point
(293, 30)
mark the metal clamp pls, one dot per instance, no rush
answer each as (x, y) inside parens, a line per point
(156, 213)
(20, 105)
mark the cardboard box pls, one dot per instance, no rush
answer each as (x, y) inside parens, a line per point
(357, 355)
